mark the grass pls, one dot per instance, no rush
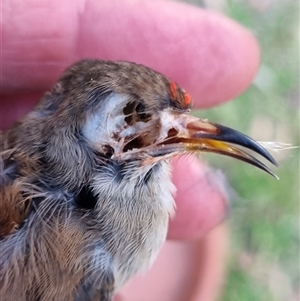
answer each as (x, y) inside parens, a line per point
(264, 255)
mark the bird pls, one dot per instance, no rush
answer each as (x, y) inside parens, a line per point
(85, 180)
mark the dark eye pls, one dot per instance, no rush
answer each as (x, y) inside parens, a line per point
(128, 112)
(135, 111)
(141, 112)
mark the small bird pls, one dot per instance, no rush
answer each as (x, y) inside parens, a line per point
(85, 180)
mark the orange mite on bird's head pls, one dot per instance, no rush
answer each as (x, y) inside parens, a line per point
(179, 98)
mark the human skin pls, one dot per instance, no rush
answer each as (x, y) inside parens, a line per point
(210, 56)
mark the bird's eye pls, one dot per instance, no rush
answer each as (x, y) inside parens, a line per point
(134, 112)
(128, 112)
(141, 126)
(141, 112)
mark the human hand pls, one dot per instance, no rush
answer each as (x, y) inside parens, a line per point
(210, 56)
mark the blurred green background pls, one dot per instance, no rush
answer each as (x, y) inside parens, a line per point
(264, 248)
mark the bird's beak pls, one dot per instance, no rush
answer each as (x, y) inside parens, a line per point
(190, 134)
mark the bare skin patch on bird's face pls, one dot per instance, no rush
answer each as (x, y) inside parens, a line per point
(141, 121)
(126, 129)
(122, 125)
(132, 131)
(173, 127)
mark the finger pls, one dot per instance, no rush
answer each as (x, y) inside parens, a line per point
(200, 199)
(209, 55)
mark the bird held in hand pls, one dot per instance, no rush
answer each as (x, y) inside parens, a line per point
(85, 180)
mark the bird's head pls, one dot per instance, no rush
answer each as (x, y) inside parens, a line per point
(124, 112)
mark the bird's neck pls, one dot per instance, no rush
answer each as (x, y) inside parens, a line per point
(138, 206)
